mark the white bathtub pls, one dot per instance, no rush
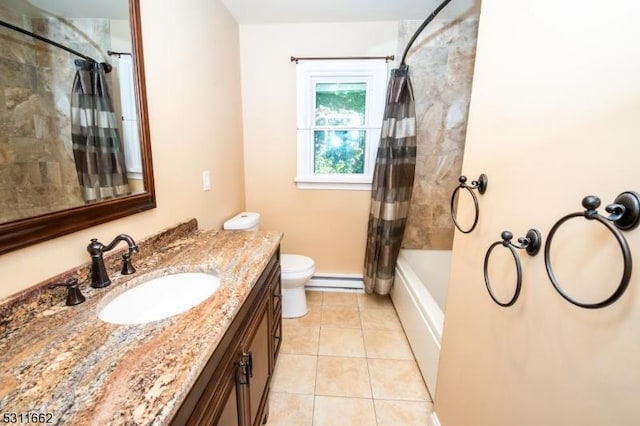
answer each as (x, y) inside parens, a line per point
(419, 294)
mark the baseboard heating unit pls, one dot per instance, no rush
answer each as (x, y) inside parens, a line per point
(336, 282)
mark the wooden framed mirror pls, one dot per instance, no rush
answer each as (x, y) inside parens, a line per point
(29, 229)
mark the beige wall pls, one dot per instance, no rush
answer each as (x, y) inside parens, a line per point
(329, 226)
(553, 117)
(192, 62)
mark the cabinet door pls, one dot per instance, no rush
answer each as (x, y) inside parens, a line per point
(222, 406)
(258, 347)
(275, 311)
(229, 416)
(233, 388)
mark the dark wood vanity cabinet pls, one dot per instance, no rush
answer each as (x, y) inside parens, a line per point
(233, 388)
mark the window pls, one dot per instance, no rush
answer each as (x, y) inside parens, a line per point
(340, 106)
(130, 137)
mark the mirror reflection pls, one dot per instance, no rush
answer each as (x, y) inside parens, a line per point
(69, 132)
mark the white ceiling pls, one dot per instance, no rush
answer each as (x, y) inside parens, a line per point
(271, 11)
(300, 11)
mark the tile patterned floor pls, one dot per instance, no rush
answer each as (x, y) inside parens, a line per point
(347, 362)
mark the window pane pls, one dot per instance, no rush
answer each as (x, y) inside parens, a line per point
(340, 104)
(338, 151)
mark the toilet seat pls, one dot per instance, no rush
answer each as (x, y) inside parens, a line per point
(296, 266)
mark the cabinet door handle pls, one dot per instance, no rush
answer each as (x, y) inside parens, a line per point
(249, 362)
(242, 375)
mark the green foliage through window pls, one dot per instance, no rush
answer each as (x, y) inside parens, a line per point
(340, 104)
(339, 147)
(338, 151)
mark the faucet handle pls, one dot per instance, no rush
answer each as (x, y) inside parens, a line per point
(127, 266)
(74, 296)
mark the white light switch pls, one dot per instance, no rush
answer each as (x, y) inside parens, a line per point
(206, 180)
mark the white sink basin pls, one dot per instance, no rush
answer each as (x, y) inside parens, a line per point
(160, 298)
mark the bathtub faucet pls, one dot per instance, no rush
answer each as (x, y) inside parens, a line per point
(99, 276)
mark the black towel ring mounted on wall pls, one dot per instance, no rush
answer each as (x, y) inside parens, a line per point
(531, 243)
(481, 186)
(625, 215)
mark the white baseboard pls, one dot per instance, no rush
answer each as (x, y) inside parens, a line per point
(335, 282)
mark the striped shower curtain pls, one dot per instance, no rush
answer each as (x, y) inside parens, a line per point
(392, 184)
(97, 146)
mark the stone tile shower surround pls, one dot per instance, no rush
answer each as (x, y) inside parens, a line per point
(37, 169)
(441, 62)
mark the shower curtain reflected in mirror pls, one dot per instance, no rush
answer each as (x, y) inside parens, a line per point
(392, 184)
(97, 146)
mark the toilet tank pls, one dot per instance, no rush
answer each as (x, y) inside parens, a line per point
(245, 221)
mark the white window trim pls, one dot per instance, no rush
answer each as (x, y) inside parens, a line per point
(374, 73)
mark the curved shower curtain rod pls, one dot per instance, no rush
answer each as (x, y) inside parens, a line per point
(51, 42)
(420, 29)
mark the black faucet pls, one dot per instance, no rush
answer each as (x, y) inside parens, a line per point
(99, 276)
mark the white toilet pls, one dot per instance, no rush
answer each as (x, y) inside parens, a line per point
(296, 269)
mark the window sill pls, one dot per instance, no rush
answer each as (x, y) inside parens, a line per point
(333, 183)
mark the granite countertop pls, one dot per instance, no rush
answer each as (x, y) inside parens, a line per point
(66, 363)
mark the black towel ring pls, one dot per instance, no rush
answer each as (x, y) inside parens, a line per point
(625, 215)
(481, 186)
(531, 243)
